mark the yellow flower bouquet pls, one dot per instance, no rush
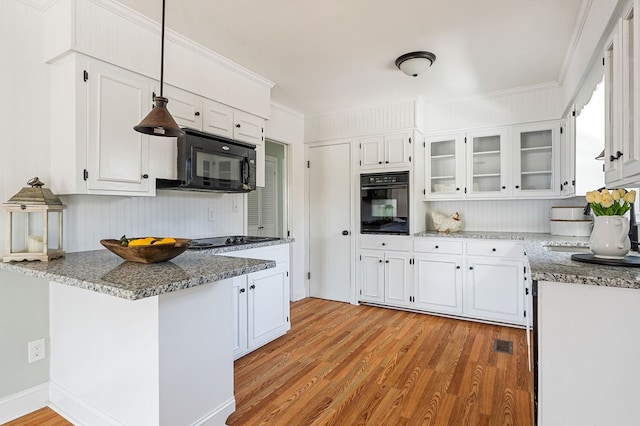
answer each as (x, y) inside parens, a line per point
(611, 203)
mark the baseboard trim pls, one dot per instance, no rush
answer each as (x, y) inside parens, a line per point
(65, 403)
(218, 416)
(24, 402)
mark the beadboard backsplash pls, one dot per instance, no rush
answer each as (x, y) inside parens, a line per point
(88, 218)
(503, 215)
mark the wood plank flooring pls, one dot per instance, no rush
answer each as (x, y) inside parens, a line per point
(42, 417)
(357, 365)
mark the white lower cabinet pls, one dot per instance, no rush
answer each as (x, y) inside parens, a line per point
(475, 279)
(267, 305)
(372, 276)
(385, 270)
(438, 283)
(261, 300)
(494, 290)
(386, 277)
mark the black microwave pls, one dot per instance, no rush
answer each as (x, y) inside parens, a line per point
(207, 162)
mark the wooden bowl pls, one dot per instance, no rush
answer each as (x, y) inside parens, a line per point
(147, 254)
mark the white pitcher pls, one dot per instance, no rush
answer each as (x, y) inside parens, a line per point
(610, 237)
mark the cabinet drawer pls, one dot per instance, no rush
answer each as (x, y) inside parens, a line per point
(437, 245)
(495, 248)
(381, 242)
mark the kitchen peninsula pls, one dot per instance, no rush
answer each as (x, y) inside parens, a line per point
(143, 344)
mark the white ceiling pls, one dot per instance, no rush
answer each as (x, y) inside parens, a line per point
(327, 55)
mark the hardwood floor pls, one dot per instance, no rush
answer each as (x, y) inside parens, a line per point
(42, 417)
(357, 365)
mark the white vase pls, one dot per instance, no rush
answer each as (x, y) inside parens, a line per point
(610, 237)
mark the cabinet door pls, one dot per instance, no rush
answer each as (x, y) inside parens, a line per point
(536, 160)
(372, 276)
(446, 168)
(613, 158)
(217, 118)
(185, 107)
(397, 150)
(568, 157)
(268, 304)
(239, 316)
(371, 153)
(397, 278)
(487, 167)
(630, 95)
(439, 283)
(494, 290)
(117, 155)
(248, 128)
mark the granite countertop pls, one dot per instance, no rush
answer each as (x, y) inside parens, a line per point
(230, 248)
(547, 264)
(104, 272)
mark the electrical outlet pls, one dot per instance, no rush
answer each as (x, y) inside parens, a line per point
(211, 213)
(36, 350)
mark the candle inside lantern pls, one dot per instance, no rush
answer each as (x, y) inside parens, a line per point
(34, 244)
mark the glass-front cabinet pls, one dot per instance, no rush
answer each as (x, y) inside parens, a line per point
(486, 164)
(536, 159)
(445, 176)
(518, 161)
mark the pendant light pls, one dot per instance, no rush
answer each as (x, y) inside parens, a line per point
(159, 121)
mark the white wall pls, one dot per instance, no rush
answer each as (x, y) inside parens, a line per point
(501, 215)
(24, 152)
(287, 126)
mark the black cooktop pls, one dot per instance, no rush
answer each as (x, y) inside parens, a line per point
(234, 240)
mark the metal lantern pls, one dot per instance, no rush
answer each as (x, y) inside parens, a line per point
(34, 224)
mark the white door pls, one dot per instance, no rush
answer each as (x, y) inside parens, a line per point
(329, 217)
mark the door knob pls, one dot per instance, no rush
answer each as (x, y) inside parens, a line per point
(345, 232)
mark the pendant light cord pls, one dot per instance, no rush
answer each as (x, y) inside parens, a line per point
(162, 51)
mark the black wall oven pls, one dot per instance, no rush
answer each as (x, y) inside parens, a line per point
(384, 203)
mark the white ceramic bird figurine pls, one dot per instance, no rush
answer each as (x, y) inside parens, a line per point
(447, 224)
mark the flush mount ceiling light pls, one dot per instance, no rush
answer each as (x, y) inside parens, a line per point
(159, 121)
(415, 63)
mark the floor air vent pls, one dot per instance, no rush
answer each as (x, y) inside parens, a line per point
(503, 346)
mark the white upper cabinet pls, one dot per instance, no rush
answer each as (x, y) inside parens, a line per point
(568, 157)
(515, 161)
(622, 101)
(487, 166)
(94, 147)
(446, 167)
(196, 112)
(185, 107)
(386, 151)
(218, 119)
(536, 160)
